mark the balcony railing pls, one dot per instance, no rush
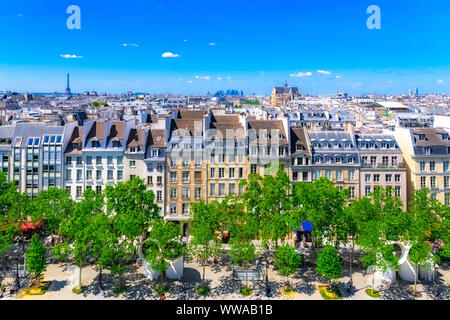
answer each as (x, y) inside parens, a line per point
(383, 166)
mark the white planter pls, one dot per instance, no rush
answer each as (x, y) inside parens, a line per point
(149, 273)
(175, 270)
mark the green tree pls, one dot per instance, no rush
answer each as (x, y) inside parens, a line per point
(242, 252)
(322, 204)
(329, 263)
(36, 258)
(52, 207)
(134, 208)
(204, 242)
(96, 104)
(419, 254)
(287, 261)
(163, 245)
(355, 215)
(77, 229)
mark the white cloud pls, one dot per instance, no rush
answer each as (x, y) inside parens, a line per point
(71, 56)
(203, 77)
(324, 72)
(170, 55)
(301, 74)
(338, 77)
(185, 40)
(212, 43)
(440, 81)
(219, 78)
(130, 45)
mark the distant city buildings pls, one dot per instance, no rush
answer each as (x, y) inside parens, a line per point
(192, 148)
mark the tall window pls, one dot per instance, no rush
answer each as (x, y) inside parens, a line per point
(433, 182)
(79, 191)
(432, 166)
(368, 191)
(221, 172)
(231, 172)
(212, 172)
(422, 166)
(212, 189)
(221, 189)
(423, 182)
(352, 192)
(253, 168)
(351, 175)
(339, 176)
(398, 191)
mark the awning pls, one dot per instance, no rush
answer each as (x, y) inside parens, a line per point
(28, 226)
(305, 227)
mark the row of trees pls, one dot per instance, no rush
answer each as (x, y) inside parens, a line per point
(106, 229)
(102, 229)
(270, 209)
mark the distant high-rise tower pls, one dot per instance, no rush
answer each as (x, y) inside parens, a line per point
(68, 92)
(417, 92)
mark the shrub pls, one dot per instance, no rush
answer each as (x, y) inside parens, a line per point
(329, 293)
(119, 289)
(373, 294)
(203, 291)
(162, 289)
(78, 290)
(246, 291)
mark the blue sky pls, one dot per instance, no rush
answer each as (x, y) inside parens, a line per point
(246, 44)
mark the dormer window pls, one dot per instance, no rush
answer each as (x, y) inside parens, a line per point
(335, 145)
(350, 160)
(372, 145)
(95, 144)
(74, 145)
(154, 153)
(347, 145)
(186, 134)
(116, 144)
(427, 150)
(133, 149)
(383, 145)
(421, 137)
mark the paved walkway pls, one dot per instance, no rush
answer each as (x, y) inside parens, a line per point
(305, 282)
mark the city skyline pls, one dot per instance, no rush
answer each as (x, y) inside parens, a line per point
(193, 48)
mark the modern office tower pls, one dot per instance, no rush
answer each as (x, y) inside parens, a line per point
(6, 139)
(381, 165)
(36, 157)
(426, 153)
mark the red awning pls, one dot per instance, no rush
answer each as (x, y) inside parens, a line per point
(28, 226)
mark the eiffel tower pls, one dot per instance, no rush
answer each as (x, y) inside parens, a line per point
(68, 93)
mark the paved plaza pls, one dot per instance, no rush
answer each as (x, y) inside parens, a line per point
(219, 276)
